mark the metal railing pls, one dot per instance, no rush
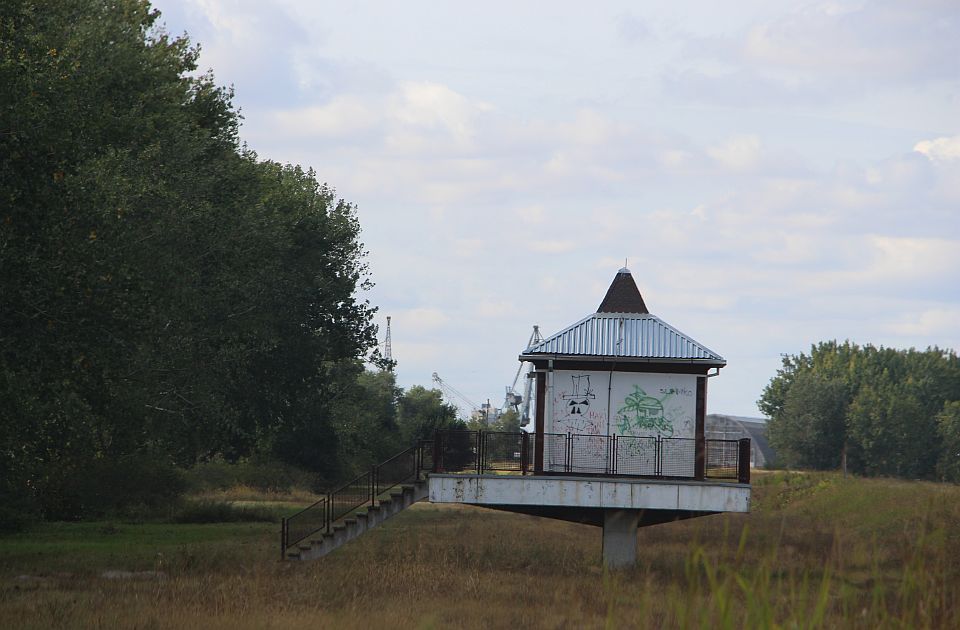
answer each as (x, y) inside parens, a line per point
(481, 452)
(515, 453)
(365, 489)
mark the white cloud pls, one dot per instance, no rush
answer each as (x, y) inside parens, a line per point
(344, 116)
(741, 153)
(553, 247)
(502, 173)
(940, 149)
(427, 105)
(938, 323)
(420, 320)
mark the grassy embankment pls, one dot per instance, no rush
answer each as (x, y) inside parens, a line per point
(817, 551)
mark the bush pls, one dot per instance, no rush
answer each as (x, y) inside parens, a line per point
(222, 512)
(265, 475)
(137, 485)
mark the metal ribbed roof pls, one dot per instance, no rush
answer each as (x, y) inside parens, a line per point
(624, 335)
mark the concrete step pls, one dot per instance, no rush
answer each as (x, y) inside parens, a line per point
(359, 523)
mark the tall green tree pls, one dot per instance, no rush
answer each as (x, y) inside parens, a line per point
(948, 431)
(810, 429)
(165, 296)
(422, 412)
(880, 406)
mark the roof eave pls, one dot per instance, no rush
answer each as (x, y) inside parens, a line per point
(618, 359)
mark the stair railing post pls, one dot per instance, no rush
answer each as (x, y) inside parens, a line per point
(437, 450)
(568, 454)
(524, 443)
(328, 511)
(612, 454)
(283, 538)
(480, 439)
(743, 460)
(658, 457)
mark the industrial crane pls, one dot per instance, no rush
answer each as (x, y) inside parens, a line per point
(484, 412)
(513, 400)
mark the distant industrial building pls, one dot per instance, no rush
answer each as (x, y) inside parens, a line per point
(724, 427)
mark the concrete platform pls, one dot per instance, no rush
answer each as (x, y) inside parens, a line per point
(619, 505)
(600, 493)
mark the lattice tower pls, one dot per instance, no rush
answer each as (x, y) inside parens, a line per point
(387, 345)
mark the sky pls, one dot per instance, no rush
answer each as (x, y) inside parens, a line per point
(774, 174)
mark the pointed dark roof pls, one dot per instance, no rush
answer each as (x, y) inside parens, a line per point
(622, 328)
(623, 296)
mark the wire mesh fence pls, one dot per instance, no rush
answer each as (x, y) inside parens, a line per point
(636, 455)
(457, 451)
(678, 457)
(396, 470)
(504, 451)
(722, 459)
(588, 454)
(499, 452)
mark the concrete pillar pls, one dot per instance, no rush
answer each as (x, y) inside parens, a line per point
(620, 538)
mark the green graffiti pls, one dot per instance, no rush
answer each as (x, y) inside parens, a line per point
(641, 412)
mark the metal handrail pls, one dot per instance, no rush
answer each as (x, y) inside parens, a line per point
(463, 451)
(323, 513)
(590, 454)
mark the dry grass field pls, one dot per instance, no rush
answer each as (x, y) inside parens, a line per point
(817, 551)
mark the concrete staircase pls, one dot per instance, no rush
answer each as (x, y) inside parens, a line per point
(342, 532)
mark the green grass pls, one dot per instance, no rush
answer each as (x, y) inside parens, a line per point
(87, 549)
(818, 551)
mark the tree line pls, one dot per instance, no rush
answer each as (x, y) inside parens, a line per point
(876, 411)
(166, 296)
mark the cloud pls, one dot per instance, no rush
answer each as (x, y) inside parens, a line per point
(934, 322)
(740, 153)
(553, 247)
(421, 320)
(822, 52)
(432, 106)
(943, 149)
(343, 117)
(631, 29)
(750, 165)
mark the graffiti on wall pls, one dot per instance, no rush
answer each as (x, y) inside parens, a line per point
(637, 407)
(575, 407)
(644, 414)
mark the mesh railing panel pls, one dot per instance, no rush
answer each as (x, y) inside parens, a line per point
(396, 470)
(723, 459)
(350, 496)
(635, 455)
(502, 451)
(459, 451)
(589, 454)
(678, 457)
(306, 522)
(639, 456)
(555, 452)
(426, 456)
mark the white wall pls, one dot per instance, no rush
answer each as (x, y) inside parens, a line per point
(619, 403)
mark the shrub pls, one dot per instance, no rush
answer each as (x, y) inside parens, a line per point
(222, 512)
(265, 475)
(140, 485)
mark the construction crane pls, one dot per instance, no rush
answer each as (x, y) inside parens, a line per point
(515, 401)
(387, 343)
(455, 398)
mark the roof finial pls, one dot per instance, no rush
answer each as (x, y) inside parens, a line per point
(623, 296)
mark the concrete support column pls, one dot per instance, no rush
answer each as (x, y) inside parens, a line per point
(620, 538)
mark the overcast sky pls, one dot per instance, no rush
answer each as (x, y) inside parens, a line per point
(775, 173)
